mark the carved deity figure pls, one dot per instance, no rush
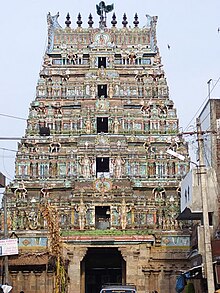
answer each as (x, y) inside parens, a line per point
(124, 211)
(55, 147)
(173, 145)
(132, 58)
(159, 193)
(47, 61)
(101, 71)
(21, 192)
(111, 167)
(102, 104)
(154, 111)
(93, 91)
(44, 193)
(116, 125)
(110, 91)
(118, 164)
(114, 217)
(93, 166)
(81, 209)
(88, 125)
(110, 61)
(33, 220)
(86, 166)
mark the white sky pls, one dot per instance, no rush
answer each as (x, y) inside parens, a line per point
(190, 27)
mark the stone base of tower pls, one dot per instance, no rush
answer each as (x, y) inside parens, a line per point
(149, 268)
(99, 261)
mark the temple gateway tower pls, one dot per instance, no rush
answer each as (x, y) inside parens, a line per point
(96, 196)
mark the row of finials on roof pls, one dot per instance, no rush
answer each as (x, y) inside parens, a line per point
(91, 22)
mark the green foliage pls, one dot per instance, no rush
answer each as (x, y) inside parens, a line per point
(190, 288)
(105, 232)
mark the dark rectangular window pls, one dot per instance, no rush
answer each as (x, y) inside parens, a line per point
(102, 164)
(210, 218)
(44, 131)
(102, 217)
(102, 124)
(101, 62)
(102, 90)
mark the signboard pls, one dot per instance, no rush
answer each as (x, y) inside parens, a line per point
(8, 247)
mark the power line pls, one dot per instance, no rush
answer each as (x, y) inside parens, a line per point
(11, 116)
(10, 150)
(10, 138)
(6, 172)
(207, 97)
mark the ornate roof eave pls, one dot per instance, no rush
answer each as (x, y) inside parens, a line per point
(54, 26)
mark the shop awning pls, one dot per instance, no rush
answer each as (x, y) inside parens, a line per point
(27, 259)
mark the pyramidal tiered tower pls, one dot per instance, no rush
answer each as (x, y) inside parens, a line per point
(94, 152)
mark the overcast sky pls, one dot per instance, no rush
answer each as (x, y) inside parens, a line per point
(190, 27)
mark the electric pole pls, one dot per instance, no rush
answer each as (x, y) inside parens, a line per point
(2, 185)
(5, 236)
(207, 237)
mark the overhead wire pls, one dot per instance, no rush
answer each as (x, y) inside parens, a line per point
(21, 118)
(10, 150)
(215, 184)
(12, 116)
(207, 97)
(208, 114)
(6, 172)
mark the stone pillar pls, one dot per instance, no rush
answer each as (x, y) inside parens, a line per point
(26, 275)
(123, 265)
(50, 282)
(166, 284)
(155, 281)
(131, 258)
(147, 280)
(14, 281)
(172, 280)
(37, 282)
(83, 276)
(74, 270)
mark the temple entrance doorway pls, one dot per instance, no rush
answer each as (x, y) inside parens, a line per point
(102, 266)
